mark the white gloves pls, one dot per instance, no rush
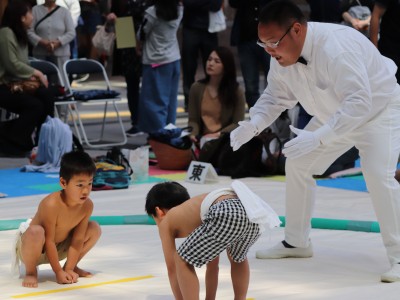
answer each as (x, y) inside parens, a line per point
(306, 141)
(241, 135)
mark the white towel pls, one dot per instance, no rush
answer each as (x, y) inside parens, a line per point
(210, 198)
(15, 270)
(257, 210)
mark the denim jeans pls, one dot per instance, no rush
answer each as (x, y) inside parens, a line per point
(158, 96)
(252, 57)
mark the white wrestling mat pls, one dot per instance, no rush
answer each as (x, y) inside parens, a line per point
(128, 261)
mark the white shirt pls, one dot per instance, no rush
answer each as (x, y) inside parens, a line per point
(72, 5)
(345, 83)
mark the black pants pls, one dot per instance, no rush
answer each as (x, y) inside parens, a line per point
(32, 111)
(193, 42)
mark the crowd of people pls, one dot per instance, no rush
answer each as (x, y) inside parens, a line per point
(152, 70)
(346, 83)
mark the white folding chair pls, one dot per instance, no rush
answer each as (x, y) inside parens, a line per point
(96, 70)
(51, 71)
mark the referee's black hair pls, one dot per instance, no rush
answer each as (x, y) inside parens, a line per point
(281, 12)
(165, 195)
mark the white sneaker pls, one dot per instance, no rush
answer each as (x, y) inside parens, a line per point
(392, 275)
(280, 251)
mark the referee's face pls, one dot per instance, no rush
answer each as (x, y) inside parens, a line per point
(284, 44)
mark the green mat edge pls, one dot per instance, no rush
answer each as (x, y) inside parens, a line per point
(318, 223)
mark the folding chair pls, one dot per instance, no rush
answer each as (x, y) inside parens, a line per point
(92, 67)
(52, 72)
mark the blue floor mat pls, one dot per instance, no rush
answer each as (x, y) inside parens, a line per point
(15, 183)
(354, 183)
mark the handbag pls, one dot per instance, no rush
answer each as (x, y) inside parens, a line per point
(25, 86)
(217, 21)
(103, 41)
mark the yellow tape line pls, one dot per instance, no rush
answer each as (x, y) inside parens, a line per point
(81, 287)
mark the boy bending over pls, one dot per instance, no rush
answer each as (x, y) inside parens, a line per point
(61, 228)
(212, 223)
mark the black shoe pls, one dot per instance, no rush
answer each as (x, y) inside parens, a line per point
(133, 132)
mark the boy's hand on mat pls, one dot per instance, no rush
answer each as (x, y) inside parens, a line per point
(74, 275)
(241, 135)
(63, 277)
(305, 142)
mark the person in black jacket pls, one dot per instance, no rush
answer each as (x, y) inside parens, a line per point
(126, 61)
(244, 35)
(196, 38)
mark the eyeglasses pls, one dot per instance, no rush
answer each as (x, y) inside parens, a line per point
(273, 45)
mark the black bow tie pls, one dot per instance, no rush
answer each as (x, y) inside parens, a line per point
(302, 60)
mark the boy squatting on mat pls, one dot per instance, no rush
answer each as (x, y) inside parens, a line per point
(60, 228)
(230, 218)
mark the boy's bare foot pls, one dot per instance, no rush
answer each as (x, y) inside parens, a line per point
(30, 281)
(82, 273)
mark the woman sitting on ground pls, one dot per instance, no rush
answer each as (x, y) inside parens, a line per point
(32, 109)
(216, 103)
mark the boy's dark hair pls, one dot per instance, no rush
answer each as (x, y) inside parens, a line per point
(282, 12)
(165, 195)
(75, 163)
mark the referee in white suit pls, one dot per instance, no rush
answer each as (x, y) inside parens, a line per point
(350, 89)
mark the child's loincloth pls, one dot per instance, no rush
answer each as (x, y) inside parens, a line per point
(62, 249)
(225, 226)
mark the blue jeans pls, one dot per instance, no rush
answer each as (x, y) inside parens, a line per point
(252, 57)
(159, 96)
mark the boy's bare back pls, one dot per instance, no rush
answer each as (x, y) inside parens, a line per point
(61, 215)
(185, 218)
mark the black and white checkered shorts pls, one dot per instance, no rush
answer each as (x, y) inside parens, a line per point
(226, 226)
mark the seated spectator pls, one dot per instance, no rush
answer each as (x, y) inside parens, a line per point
(32, 109)
(216, 103)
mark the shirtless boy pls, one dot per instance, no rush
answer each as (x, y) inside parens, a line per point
(212, 223)
(61, 228)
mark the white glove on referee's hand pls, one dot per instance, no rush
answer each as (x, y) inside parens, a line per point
(305, 142)
(241, 135)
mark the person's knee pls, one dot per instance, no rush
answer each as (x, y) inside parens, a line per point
(94, 230)
(34, 233)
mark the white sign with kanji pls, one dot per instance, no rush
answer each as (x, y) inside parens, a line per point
(201, 172)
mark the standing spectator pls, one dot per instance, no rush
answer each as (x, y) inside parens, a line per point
(216, 103)
(352, 93)
(51, 32)
(32, 109)
(91, 17)
(360, 23)
(385, 24)
(244, 35)
(161, 65)
(126, 61)
(75, 9)
(196, 38)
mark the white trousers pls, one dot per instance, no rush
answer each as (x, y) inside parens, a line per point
(378, 142)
